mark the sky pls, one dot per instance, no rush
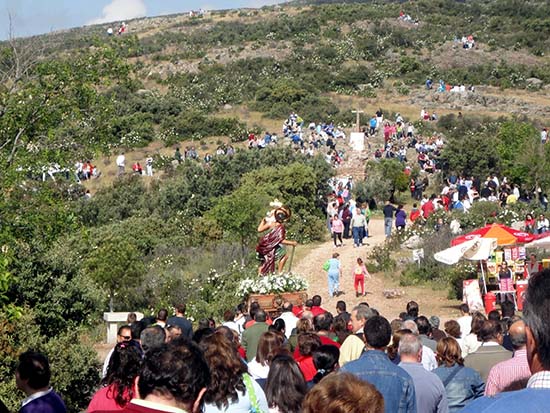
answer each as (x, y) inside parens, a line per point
(30, 17)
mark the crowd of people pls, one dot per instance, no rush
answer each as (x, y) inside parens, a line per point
(307, 359)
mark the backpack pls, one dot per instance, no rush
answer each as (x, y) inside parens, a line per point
(326, 266)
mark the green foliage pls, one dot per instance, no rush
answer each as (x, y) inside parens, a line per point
(74, 365)
(380, 259)
(384, 177)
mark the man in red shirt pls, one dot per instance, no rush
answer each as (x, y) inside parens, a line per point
(428, 208)
(316, 309)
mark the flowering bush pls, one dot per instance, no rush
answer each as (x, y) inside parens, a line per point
(272, 284)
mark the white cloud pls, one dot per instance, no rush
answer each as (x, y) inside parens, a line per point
(121, 10)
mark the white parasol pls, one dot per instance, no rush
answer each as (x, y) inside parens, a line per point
(476, 249)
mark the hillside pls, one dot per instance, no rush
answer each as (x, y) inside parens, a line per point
(209, 84)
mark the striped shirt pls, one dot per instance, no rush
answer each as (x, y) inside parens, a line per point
(540, 380)
(509, 375)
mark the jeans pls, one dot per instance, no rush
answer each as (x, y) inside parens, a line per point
(333, 283)
(357, 235)
(387, 226)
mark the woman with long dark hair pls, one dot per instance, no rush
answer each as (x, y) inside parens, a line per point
(231, 390)
(325, 360)
(118, 384)
(462, 384)
(286, 386)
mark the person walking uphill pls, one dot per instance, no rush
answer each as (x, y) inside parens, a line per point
(358, 223)
(359, 274)
(388, 210)
(334, 269)
(336, 228)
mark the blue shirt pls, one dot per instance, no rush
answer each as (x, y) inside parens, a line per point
(464, 387)
(334, 266)
(392, 381)
(430, 393)
(524, 401)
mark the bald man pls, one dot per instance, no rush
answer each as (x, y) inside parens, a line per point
(514, 373)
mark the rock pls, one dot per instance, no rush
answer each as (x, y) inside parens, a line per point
(144, 91)
(227, 106)
(534, 83)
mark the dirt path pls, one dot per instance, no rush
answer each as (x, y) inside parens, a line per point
(432, 302)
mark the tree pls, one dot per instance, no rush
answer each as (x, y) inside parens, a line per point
(115, 263)
(240, 212)
(383, 179)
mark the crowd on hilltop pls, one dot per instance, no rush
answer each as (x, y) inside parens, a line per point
(400, 135)
(307, 359)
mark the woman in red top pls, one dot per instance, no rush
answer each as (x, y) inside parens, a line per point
(530, 224)
(118, 384)
(307, 344)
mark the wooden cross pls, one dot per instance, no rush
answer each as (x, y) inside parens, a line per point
(358, 121)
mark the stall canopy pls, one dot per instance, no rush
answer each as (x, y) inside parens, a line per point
(541, 241)
(503, 234)
(474, 250)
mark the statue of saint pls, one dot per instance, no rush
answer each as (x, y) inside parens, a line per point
(271, 248)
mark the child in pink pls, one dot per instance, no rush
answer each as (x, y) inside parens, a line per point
(359, 273)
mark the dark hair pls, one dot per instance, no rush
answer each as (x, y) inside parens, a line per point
(269, 344)
(452, 328)
(424, 326)
(507, 308)
(536, 313)
(228, 315)
(377, 332)
(180, 308)
(123, 368)
(340, 328)
(131, 318)
(464, 308)
(285, 386)
(278, 325)
(493, 315)
(177, 371)
(448, 352)
(308, 343)
(254, 307)
(201, 333)
(35, 368)
(343, 392)
(260, 316)
(203, 323)
(152, 337)
(325, 360)
(341, 305)
(287, 306)
(122, 328)
(323, 321)
(489, 330)
(477, 322)
(162, 314)
(309, 303)
(227, 370)
(412, 309)
(316, 300)
(136, 329)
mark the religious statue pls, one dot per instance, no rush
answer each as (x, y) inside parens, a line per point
(271, 248)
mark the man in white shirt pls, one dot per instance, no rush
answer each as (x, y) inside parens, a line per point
(288, 317)
(120, 161)
(465, 321)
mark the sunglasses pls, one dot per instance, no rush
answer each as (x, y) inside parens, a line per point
(125, 337)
